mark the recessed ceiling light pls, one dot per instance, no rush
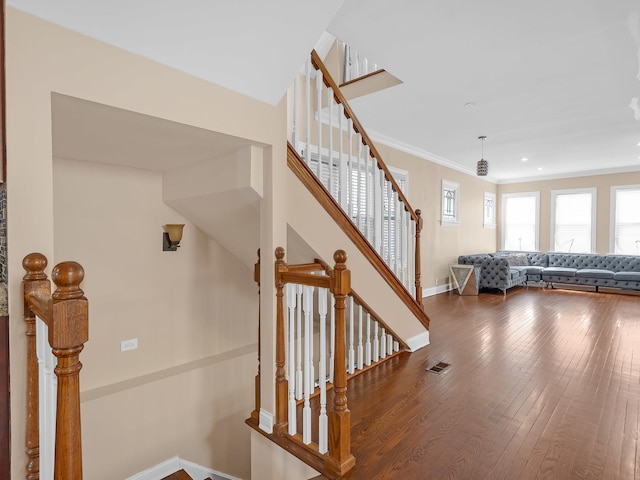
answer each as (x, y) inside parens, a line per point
(539, 168)
(639, 144)
(524, 159)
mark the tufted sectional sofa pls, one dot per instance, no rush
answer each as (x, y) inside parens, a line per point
(500, 270)
(496, 271)
(621, 271)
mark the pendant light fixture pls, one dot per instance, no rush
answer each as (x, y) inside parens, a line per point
(482, 168)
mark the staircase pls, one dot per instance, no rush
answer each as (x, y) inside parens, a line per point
(179, 475)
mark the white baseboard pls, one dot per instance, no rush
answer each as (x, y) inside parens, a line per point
(176, 463)
(266, 421)
(418, 341)
(429, 292)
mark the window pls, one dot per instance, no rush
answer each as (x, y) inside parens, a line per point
(520, 217)
(625, 220)
(489, 207)
(573, 225)
(450, 202)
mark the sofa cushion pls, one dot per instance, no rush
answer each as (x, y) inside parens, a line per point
(628, 276)
(594, 273)
(517, 272)
(562, 271)
(534, 270)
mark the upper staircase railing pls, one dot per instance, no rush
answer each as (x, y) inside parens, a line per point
(335, 147)
(57, 327)
(356, 65)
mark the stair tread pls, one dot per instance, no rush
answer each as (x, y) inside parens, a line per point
(179, 475)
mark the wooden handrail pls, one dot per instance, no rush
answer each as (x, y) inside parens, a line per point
(66, 314)
(373, 151)
(320, 193)
(339, 459)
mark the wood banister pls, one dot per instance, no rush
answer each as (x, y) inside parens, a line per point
(66, 313)
(418, 268)
(340, 457)
(373, 151)
(255, 414)
(282, 386)
(34, 282)
(319, 192)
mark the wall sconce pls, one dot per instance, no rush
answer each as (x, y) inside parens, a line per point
(172, 236)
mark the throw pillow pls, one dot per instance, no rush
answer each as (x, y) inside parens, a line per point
(517, 259)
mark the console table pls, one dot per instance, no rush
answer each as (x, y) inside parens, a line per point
(465, 278)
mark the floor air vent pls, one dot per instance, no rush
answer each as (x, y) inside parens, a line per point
(438, 368)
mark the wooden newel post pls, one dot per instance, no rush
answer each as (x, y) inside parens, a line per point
(418, 271)
(282, 386)
(68, 332)
(340, 458)
(34, 282)
(256, 411)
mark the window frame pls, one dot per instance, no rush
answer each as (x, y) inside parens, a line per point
(489, 221)
(450, 220)
(503, 201)
(552, 219)
(612, 217)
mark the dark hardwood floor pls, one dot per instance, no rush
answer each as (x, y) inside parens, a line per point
(544, 384)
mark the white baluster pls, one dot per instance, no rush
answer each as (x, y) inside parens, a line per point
(358, 201)
(351, 365)
(291, 364)
(396, 346)
(398, 237)
(388, 236)
(368, 209)
(47, 400)
(383, 343)
(376, 342)
(332, 189)
(319, 86)
(307, 154)
(307, 307)
(360, 345)
(295, 113)
(389, 344)
(299, 375)
(350, 168)
(343, 186)
(379, 213)
(323, 421)
(367, 345)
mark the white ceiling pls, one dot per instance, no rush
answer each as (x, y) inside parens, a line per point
(551, 81)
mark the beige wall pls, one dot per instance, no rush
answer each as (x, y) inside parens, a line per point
(442, 244)
(127, 279)
(602, 183)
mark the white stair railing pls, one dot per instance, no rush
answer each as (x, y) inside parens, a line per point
(340, 154)
(47, 393)
(357, 65)
(308, 344)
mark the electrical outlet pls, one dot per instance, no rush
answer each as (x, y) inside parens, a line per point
(127, 345)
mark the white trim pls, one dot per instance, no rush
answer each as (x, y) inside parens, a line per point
(489, 222)
(570, 191)
(174, 464)
(504, 196)
(266, 421)
(455, 187)
(586, 173)
(612, 214)
(420, 153)
(431, 291)
(418, 341)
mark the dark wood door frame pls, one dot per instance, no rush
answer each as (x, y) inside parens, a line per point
(4, 320)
